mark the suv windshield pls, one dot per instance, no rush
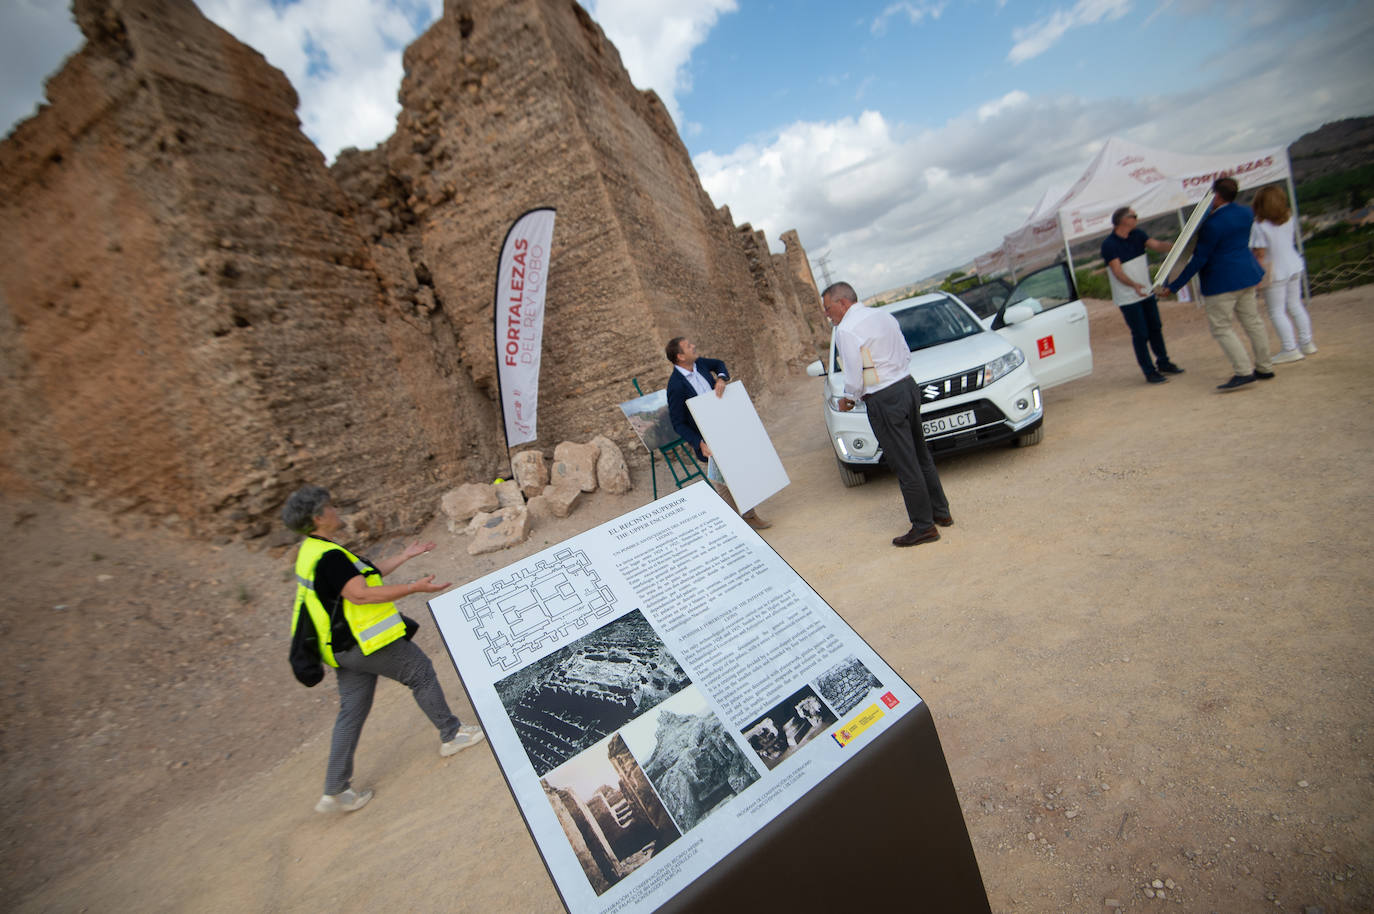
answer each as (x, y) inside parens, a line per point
(935, 322)
(928, 324)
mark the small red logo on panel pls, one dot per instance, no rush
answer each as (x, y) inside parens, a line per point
(1046, 346)
(890, 700)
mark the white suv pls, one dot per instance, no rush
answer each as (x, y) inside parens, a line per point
(980, 375)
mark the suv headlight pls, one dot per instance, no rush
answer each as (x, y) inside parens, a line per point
(834, 403)
(1003, 366)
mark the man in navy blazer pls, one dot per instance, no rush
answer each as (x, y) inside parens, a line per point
(1229, 275)
(693, 375)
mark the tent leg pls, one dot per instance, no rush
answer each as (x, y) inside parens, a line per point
(1068, 256)
(1297, 236)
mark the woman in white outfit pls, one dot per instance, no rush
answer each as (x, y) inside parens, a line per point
(1273, 239)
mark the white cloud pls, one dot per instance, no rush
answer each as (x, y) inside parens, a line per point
(914, 12)
(1012, 99)
(656, 38)
(1034, 40)
(893, 204)
(342, 56)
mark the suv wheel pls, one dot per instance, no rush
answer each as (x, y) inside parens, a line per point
(850, 477)
(1030, 438)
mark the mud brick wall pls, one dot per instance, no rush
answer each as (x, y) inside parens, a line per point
(197, 314)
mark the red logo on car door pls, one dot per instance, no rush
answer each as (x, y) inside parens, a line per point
(1046, 346)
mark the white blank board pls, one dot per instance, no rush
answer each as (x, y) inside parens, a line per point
(1199, 211)
(740, 444)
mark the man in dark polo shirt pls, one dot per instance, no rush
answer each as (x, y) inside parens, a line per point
(1128, 271)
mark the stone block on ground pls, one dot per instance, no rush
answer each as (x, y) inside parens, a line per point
(575, 464)
(530, 471)
(561, 499)
(460, 504)
(503, 529)
(612, 474)
(509, 495)
(539, 508)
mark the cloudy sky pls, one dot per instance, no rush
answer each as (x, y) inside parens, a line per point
(898, 138)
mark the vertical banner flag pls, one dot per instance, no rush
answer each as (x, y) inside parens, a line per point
(521, 278)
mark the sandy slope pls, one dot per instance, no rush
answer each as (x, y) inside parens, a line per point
(1145, 643)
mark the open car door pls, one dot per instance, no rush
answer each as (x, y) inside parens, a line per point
(1044, 316)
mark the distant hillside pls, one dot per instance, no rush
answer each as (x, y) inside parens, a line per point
(1332, 148)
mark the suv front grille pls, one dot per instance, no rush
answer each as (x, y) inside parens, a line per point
(952, 386)
(990, 425)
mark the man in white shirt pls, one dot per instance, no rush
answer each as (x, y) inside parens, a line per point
(876, 362)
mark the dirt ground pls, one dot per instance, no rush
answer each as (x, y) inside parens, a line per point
(1146, 645)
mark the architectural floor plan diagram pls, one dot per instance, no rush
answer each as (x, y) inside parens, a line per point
(520, 616)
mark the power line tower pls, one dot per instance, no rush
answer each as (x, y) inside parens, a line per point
(823, 261)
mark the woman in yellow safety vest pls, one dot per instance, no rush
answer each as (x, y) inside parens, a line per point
(346, 617)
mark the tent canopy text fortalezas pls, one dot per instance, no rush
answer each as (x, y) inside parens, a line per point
(1151, 181)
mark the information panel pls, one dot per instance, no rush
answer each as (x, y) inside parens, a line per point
(658, 689)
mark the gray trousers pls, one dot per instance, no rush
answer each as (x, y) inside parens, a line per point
(895, 414)
(400, 660)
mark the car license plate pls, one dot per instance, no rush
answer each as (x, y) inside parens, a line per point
(945, 424)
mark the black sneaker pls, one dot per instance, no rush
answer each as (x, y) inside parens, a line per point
(1155, 377)
(1169, 367)
(1236, 381)
(1264, 375)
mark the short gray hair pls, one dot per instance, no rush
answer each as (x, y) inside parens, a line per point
(840, 291)
(302, 507)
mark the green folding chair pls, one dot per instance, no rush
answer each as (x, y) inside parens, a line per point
(682, 463)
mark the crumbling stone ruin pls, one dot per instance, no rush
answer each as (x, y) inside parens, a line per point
(197, 314)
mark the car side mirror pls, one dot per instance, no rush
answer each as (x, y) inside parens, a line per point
(1016, 314)
(816, 369)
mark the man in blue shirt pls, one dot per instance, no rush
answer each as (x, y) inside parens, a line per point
(1229, 275)
(1128, 271)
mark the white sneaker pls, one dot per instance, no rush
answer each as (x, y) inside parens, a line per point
(1287, 355)
(1309, 348)
(470, 735)
(348, 801)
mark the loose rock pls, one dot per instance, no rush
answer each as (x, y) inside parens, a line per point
(530, 471)
(612, 475)
(507, 527)
(509, 495)
(560, 499)
(539, 508)
(575, 464)
(460, 504)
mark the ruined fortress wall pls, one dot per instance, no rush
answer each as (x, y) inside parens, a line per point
(197, 323)
(198, 315)
(509, 106)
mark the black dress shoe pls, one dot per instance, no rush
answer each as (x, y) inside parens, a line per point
(1239, 380)
(1155, 377)
(1264, 375)
(1170, 368)
(944, 520)
(914, 537)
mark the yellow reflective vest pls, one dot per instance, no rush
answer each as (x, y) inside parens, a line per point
(374, 625)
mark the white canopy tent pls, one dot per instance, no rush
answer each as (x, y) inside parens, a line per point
(1151, 181)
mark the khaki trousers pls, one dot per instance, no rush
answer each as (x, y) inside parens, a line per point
(1244, 306)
